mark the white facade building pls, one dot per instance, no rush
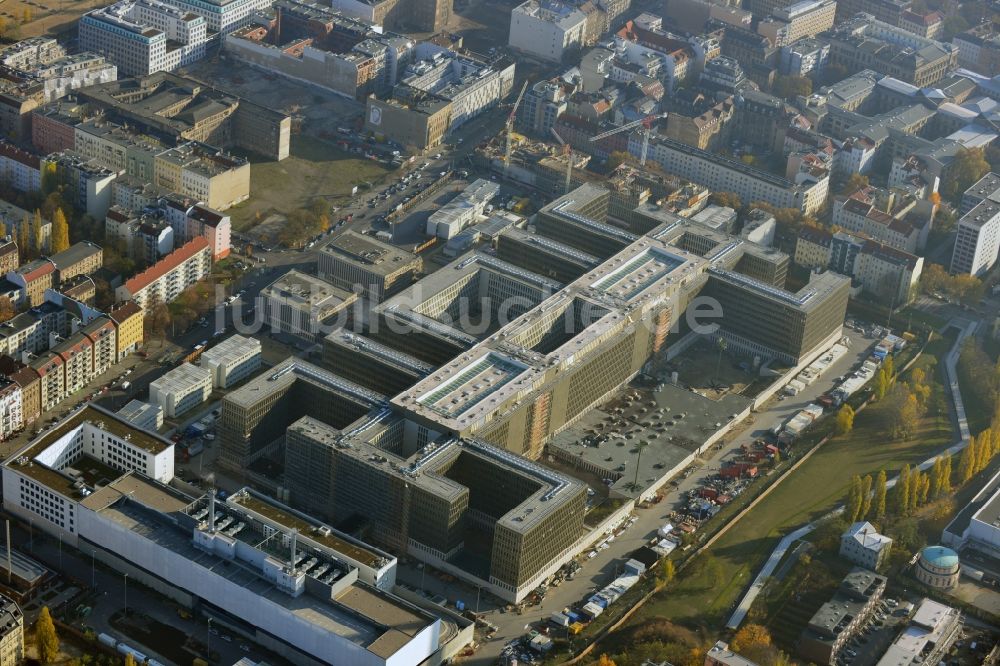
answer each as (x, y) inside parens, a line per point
(182, 389)
(978, 241)
(546, 30)
(462, 211)
(222, 16)
(166, 279)
(232, 360)
(861, 544)
(144, 36)
(11, 415)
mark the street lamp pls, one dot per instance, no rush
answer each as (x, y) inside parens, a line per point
(208, 641)
(126, 595)
(93, 573)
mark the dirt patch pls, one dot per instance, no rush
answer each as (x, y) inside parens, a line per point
(50, 17)
(701, 369)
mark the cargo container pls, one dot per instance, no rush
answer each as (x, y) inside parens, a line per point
(592, 610)
(574, 616)
(559, 619)
(576, 628)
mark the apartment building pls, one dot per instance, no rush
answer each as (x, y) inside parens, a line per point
(127, 318)
(840, 619)
(806, 18)
(232, 360)
(708, 131)
(807, 192)
(33, 278)
(418, 16)
(77, 353)
(804, 57)
(198, 220)
(82, 258)
(361, 264)
(204, 174)
(11, 632)
(546, 29)
(102, 335)
(862, 214)
(926, 24)
(978, 242)
(19, 168)
(9, 257)
(181, 390)
(928, 638)
(11, 422)
(144, 36)
(979, 49)
(884, 272)
(51, 371)
(30, 384)
(166, 279)
(88, 181)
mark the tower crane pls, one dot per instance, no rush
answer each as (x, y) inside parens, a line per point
(647, 125)
(568, 152)
(510, 128)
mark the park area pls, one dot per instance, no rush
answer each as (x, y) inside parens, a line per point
(706, 592)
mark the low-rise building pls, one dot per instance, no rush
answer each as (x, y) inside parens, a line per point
(720, 655)
(232, 360)
(938, 567)
(464, 210)
(142, 415)
(840, 619)
(928, 638)
(182, 389)
(166, 279)
(9, 256)
(862, 545)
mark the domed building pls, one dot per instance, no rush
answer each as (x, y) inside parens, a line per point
(938, 567)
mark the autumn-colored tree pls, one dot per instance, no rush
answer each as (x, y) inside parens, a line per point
(968, 166)
(7, 310)
(617, 158)
(751, 638)
(901, 492)
(24, 238)
(937, 477)
(129, 659)
(46, 636)
(3, 230)
(854, 183)
(866, 496)
(880, 490)
(854, 499)
(605, 660)
(37, 237)
(881, 384)
(845, 419)
(916, 482)
(966, 464)
(26, 15)
(946, 475)
(60, 231)
(666, 572)
(729, 199)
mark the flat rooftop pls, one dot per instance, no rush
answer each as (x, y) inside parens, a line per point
(639, 273)
(293, 521)
(369, 253)
(293, 369)
(471, 385)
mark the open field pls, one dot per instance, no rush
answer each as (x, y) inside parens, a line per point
(46, 16)
(707, 591)
(314, 169)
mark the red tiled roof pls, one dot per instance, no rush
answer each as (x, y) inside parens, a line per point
(123, 311)
(11, 151)
(36, 269)
(167, 264)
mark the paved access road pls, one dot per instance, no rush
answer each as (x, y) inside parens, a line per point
(596, 573)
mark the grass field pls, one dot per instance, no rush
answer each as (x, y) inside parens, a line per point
(314, 169)
(705, 594)
(45, 16)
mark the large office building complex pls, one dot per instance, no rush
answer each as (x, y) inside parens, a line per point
(144, 36)
(291, 583)
(361, 264)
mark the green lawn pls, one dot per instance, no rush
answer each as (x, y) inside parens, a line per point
(705, 595)
(314, 168)
(978, 409)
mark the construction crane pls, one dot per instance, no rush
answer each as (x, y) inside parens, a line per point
(510, 129)
(568, 152)
(647, 125)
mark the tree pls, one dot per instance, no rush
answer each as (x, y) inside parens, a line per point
(617, 158)
(845, 419)
(605, 660)
(751, 638)
(968, 166)
(36, 232)
(866, 496)
(901, 492)
(946, 475)
(854, 183)
(854, 499)
(60, 231)
(129, 659)
(24, 238)
(880, 488)
(792, 86)
(937, 477)
(729, 199)
(7, 310)
(45, 634)
(965, 463)
(916, 482)
(666, 572)
(881, 384)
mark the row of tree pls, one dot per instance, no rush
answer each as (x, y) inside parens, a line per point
(963, 288)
